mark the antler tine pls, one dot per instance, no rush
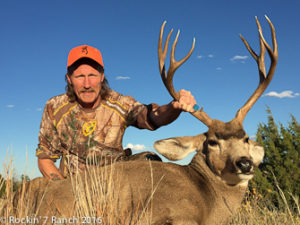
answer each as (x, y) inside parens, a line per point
(260, 60)
(163, 53)
(174, 65)
(168, 78)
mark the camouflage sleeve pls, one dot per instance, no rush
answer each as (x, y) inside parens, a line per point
(48, 147)
(139, 115)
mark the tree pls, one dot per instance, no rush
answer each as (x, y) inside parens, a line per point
(12, 183)
(24, 178)
(281, 165)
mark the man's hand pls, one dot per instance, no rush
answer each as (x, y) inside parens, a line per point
(166, 114)
(186, 101)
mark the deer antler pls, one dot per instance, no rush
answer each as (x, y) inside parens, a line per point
(264, 79)
(174, 65)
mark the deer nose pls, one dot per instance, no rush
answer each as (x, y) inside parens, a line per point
(245, 164)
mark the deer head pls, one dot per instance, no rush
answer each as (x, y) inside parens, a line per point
(225, 147)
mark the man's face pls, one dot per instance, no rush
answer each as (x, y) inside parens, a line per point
(86, 83)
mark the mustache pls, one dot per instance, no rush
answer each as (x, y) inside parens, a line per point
(83, 90)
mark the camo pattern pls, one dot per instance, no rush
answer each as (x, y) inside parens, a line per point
(81, 136)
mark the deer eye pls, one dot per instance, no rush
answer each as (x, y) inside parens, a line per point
(246, 140)
(212, 143)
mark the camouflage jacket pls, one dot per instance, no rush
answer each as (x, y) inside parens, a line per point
(77, 134)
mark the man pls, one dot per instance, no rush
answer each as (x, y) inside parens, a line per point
(88, 122)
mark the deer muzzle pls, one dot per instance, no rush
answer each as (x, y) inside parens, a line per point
(245, 165)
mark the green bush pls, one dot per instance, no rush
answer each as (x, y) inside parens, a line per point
(281, 164)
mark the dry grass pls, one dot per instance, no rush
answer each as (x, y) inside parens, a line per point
(96, 202)
(256, 210)
(96, 197)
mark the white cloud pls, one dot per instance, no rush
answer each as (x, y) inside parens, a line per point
(219, 68)
(209, 56)
(10, 106)
(252, 137)
(238, 57)
(284, 94)
(122, 78)
(136, 147)
(38, 109)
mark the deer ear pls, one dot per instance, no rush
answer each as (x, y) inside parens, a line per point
(257, 152)
(179, 147)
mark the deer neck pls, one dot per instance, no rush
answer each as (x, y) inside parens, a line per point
(225, 196)
(199, 164)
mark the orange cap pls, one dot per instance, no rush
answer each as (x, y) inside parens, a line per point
(84, 51)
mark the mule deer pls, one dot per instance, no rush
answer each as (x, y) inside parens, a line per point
(207, 191)
(225, 157)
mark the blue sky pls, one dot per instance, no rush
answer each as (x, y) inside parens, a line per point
(36, 37)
